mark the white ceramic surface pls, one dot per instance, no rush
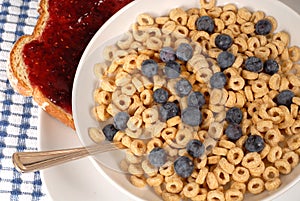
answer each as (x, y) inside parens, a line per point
(286, 18)
(78, 180)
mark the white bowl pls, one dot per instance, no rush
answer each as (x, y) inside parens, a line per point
(85, 81)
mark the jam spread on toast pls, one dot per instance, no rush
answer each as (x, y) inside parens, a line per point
(52, 59)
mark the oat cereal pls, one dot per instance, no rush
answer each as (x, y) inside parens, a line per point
(205, 101)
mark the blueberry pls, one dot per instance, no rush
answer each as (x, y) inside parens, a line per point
(184, 52)
(195, 148)
(263, 27)
(225, 59)
(160, 95)
(172, 69)
(183, 166)
(183, 87)
(167, 54)
(149, 68)
(223, 41)
(284, 98)
(254, 143)
(233, 131)
(254, 64)
(168, 110)
(271, 67)
(234, 115)
(205, 23)
(191, 116)
(109, 131)
(218, 80)
(157, 157)
(196, 99)
(120, 120)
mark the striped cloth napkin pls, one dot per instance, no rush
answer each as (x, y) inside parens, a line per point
(18, 114)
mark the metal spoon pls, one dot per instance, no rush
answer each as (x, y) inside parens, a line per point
(38, 160)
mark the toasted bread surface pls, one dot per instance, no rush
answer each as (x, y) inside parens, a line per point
(17, 71)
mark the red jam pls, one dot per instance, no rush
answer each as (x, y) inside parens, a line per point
(53, 58)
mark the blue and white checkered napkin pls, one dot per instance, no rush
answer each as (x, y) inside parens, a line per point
(18, 114)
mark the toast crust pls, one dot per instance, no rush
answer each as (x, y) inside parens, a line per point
(17, 71)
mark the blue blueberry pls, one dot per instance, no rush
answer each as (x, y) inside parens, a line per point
(183, 87)
(120, 120)
(254, 143)
(263, 27)
(157, 157)
(254, 64)
(109, 131)
(191, 116)
(172, 69)
(285, 98)
(168, 110)
(149, 68)
(218, 80)
(184, 52)
(196, 99)
(195, 148)
(223, 41)
(183, 166)
(233, 132)
(234, 115)
(271, 66)
(225, 59)
(167, 54)
(160, 95)
(205, 23)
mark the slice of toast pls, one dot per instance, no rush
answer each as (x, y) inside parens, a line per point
(19, 73)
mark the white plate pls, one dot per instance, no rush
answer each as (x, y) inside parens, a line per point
(119, 24)
(77, 180)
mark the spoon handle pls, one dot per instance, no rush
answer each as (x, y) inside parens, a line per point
(37, 160)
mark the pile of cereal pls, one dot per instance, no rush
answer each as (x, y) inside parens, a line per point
(206, 101)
